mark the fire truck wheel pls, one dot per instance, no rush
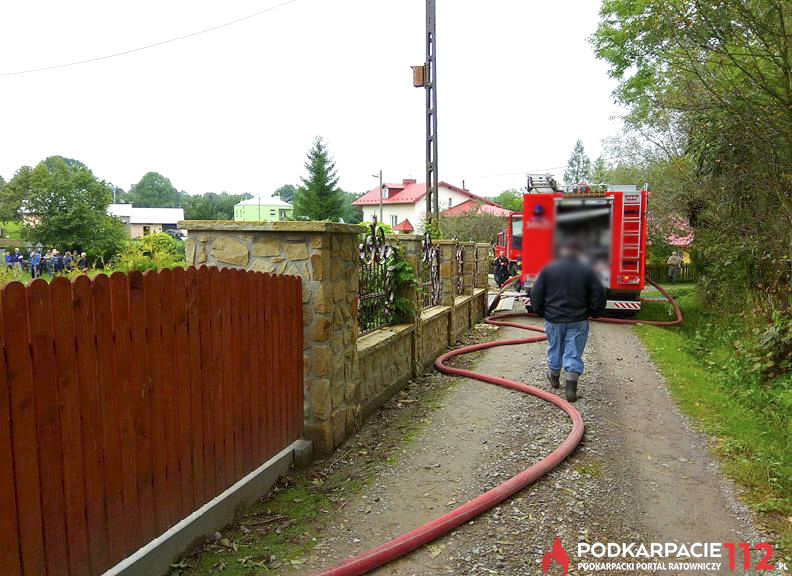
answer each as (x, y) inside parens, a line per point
(622, 313)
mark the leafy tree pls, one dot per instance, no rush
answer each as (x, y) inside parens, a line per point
(211, 206)
(579, 166)
(3, 219)
(319, 197)
(708, 83)
(68, 208)
(472, 226)
(52, 161)
(12, 194)
(154, 191)
(510, 200)
(286, 193)
(352, 214)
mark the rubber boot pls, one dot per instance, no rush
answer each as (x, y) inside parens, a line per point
(571, 390)
(554, 379)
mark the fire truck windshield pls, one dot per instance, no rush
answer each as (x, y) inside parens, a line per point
(516, 232)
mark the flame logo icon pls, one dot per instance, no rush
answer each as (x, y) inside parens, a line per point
(555, 554)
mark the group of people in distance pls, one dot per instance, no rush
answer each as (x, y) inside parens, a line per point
(14, 260)
(51, 262)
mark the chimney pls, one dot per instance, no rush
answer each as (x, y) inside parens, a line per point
(408, 181)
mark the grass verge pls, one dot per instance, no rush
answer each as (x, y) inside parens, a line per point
(749, 420)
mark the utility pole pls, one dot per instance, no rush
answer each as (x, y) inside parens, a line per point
(432, 200)
(380, 192)
(426, 77)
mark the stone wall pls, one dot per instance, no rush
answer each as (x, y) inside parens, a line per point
(325, 256)
(385, 361)
(346, 377)
(461, 317)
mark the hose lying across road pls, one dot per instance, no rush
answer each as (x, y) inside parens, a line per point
(401, 545)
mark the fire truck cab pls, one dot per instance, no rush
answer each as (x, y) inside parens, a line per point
(609, 221)
(509, 243)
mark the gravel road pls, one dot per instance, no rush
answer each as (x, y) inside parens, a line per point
(642, 473)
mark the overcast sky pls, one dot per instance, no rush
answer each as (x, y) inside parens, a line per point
(236, 109)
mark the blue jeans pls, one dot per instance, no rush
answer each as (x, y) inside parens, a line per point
(565, 344)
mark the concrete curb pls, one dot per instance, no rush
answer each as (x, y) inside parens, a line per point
(157, 556)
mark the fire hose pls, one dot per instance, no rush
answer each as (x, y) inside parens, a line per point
(409, 541)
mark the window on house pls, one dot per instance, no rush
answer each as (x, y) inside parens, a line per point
(272, 213)
(394, 222)
(449, 201)
(146, 230)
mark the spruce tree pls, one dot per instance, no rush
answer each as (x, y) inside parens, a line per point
(599, 171)
(319, 197)
(579, 166)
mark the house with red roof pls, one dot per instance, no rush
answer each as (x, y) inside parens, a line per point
(485, 207)
(404, 204)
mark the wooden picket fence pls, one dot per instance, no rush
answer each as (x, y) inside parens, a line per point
(127, 402)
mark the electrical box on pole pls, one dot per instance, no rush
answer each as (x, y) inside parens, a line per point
(419, 76)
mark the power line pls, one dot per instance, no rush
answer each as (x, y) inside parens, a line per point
(149, 46)
(520, 173)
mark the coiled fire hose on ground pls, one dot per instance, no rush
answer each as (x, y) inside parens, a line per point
(401, 545)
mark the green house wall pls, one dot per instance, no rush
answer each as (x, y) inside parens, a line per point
(264, 212)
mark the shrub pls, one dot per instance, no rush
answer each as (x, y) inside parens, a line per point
(472, 226)
(151, 252)
(387, 227)
(404, 281)
(12, 275)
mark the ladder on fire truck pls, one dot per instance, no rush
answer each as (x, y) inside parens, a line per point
(630, 248)
(537, 183)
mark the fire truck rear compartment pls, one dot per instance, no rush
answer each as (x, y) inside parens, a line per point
(588, 222)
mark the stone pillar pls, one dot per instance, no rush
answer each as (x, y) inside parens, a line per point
(448, 270)
(482, 282)
(469, 254)
(484, 264)
(448, 276)
(410, 244)
(325, 256)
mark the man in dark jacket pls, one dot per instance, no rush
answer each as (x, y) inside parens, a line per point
(501, 270)
(566, 293)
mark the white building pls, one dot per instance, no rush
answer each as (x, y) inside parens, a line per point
(144, 221)
(404, 204)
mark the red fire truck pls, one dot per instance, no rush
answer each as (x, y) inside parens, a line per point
(609, 220)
